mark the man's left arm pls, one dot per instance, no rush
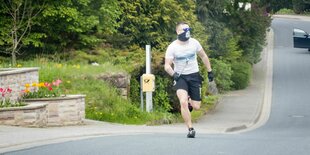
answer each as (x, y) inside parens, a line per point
(205, 59)
(206, 62)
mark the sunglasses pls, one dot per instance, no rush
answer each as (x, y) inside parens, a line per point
(187, 29)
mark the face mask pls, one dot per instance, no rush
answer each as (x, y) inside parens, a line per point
(184, 36)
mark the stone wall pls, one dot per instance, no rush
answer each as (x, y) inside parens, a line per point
(121, 81)
(28, 116)
(62, 111)
(16, 78)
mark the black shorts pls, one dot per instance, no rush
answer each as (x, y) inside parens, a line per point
(192, 84)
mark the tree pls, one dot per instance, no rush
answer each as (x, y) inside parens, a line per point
(276, 5)
(298, 6)
(74, 24)
(213, 14)
(17, 18)
(153, 21)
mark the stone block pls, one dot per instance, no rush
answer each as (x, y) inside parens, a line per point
(118, 80)
(63, 110)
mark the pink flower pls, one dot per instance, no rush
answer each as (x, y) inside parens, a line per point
(5, 91)
(57, 82)
(9, 90)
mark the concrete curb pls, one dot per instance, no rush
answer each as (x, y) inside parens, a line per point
(298, 17)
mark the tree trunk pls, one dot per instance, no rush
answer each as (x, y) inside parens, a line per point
(13, 59)
(14, 39)
(14, 49)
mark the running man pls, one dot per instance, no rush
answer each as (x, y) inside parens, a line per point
(182, 54)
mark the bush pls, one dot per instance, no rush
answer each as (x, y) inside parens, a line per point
(161, 95)
(285, 11)
(241, 76)
(298, 6)
(223, 74)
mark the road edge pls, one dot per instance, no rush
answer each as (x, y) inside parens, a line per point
(265, 108)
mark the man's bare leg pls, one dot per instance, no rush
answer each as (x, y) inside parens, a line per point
(183, 98)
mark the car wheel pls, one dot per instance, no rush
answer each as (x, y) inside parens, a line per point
(309, 49)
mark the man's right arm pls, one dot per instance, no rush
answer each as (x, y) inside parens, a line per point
(168, 66)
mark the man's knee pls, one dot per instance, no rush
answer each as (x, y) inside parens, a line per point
(184, 103)
(196, 105)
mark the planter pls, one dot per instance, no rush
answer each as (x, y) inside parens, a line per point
(62, 111)
(28, 116)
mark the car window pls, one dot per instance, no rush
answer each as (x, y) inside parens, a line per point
(299, 33)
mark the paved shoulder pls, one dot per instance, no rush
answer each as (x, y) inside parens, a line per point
(299, 17)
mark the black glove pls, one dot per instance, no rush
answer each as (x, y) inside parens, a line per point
(210, 76)
(176, 76)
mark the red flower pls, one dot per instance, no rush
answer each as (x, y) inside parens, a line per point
(46, 84)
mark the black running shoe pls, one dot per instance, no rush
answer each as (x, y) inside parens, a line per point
(191, 133)
(190, 107)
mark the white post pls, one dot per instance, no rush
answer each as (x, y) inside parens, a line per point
(149, 103)
(141, 95)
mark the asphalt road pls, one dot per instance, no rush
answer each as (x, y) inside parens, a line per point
(287, 132)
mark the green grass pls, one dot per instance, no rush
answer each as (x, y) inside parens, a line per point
(8, 104)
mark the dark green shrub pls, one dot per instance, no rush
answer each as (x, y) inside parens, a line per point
(135, 91)
(241, 76)
(164, 99)
(223, 74)
(161, 96)
(298, 6)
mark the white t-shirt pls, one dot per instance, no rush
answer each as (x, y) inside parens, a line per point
(184, 56)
